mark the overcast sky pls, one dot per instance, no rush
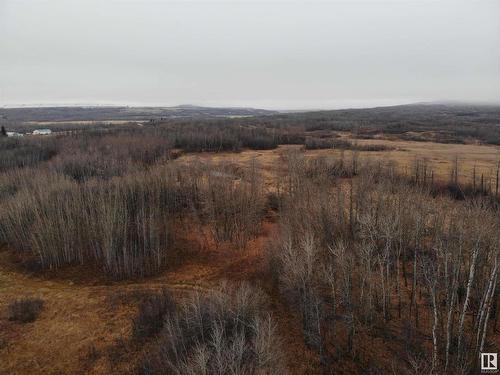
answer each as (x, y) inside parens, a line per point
(280, 54)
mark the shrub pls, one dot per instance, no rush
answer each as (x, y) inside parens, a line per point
(17, 153)
(234, 208)
(298, 265)
(25, 310)
(138, 147)
(318, 143)
(273, 201)
(371, 147)
(81, 167)
(220, 333)
(152, 312)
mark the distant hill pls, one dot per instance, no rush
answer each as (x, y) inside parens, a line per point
(58, 114)
(439, 122)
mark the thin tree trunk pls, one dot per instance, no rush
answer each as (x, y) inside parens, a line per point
(451, 306)
(486, 306)
(434, 329)
(466, 302)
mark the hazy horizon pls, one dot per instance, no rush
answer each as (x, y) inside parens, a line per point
(337, 106)
(341, 104)
(283, 55)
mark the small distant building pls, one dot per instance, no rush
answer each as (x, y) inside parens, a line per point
(42, 132)
(14, 134)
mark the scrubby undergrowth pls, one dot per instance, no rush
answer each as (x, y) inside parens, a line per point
(222, 332)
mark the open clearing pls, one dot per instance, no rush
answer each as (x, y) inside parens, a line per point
(439, 156)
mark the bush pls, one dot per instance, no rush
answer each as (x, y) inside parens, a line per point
(318, 143)
(152, 312)
(81, 167)
(25, 310)
(298, 265)
(234, 208)
(18, 153)
(138, 147)
(325, 143)
(220, 333)
(273, 201)
(342, 144)
(371, 147)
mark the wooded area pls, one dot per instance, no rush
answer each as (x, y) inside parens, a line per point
(361, 250)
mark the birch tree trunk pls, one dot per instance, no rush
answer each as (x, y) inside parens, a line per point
(472, 270)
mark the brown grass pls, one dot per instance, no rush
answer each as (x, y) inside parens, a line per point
(440, 156)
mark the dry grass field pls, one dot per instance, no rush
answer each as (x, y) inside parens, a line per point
(439, 156)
